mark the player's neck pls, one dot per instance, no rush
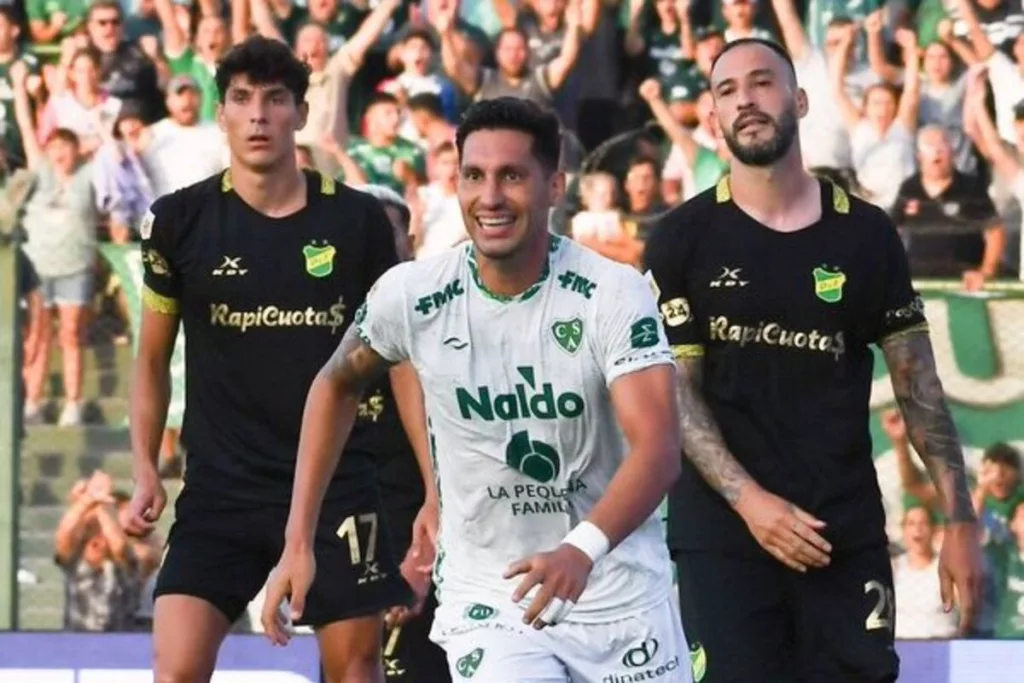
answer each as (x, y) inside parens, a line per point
(772, 193)
(279, 192)
(514, 275)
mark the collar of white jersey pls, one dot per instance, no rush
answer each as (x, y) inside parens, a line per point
(554, 242)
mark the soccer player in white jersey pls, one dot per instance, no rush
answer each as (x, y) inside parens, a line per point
(549, 394)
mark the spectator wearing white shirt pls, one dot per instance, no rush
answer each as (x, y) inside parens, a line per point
(920, 613)
(437, 222)
(183, 150)
(80, 104)
(882, 132)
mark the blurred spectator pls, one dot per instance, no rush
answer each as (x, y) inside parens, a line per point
(198, 59)
(1006, 75)
(147, 553)
(946, 219)
(11, 53)
(127, 70)
(697, 165)
(643, 192)
(181, 149)
(1010, 617)
(920, 614)
(437, 222)
(882, 132)
(60, 221)
(1005, 161)
(739, 20)
(600, 225)
(426, 123)
(79, 104)
(384, 157)
(48, 22)
(123, 189)
(999, 21)
(998, 492)
(98, 561)
(514, 76)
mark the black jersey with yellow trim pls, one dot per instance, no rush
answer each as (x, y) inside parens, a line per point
(263, 302)
(782, 325)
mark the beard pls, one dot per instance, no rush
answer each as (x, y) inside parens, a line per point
(768, 152)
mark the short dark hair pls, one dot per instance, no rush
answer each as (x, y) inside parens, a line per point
(381, 97)
(66, 134)
(103, 4)
(428, 102)
(514, 113)
(264, 61)
(770, 44)
(1002, 454)
(419, 34)
(644, 160)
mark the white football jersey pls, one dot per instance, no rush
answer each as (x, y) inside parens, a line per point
(522, 429)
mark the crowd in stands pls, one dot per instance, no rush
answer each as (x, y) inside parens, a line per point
(915, 105)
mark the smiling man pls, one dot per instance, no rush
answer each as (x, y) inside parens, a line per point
(549, 391)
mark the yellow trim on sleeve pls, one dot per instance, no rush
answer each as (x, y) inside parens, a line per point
(723, 193)
(687, 351)
(913, 329)
(327, 186)
(226, 183)
(840, 200)
(158, 302)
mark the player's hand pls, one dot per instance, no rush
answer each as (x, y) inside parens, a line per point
(290, 581)
(424, 537)
(788, 533)
(419, 580)
(561, 576)
(960, 572)
(147, 504)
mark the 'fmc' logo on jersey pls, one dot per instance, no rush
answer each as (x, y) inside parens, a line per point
(522, 402)
(434, 301)
(577, 283)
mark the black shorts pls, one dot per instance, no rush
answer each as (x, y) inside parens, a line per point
(225, 555)
(409, 654)
(759, 622)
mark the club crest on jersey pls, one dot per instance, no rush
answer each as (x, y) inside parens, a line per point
(319, 259)
(828, 284)
(568, 334)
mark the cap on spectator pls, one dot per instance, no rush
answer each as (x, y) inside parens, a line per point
(387, 196)
(182, 81)
(1018, 110)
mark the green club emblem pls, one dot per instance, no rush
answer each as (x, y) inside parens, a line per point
(644, 333)
(478, 612)
(828, 285)
(468, 664)
(536, 459)
(319, 259)
(568, 334)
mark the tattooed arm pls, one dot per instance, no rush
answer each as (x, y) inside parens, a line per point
(930, 427)
(326, 423)
(702, 441)
(785, 531)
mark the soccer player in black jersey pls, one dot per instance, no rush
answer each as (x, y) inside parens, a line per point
(264, 266)
(772, 286)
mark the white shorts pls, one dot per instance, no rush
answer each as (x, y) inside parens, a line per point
(493, 645)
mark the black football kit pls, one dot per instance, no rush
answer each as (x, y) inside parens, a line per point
(781, 324)
(264, 303)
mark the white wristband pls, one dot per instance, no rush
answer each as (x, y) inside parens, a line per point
(589, 539)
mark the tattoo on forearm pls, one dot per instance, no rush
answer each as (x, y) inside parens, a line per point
(702, 440)
(354, 364)
(930, 427)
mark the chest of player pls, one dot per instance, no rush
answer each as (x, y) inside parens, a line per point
(802, 293)
(498, 364)
(252, 275)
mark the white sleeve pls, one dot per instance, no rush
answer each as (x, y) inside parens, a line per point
(381, 322)
(629, 328)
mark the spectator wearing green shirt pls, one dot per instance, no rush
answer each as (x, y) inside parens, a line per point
(703, 166)
(384, 157)
(11, 54)
(198, 60)
(1010, 613)
(659, 35)
(51, 20)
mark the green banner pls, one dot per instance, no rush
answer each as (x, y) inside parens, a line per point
(979, 350)
(126, 262)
